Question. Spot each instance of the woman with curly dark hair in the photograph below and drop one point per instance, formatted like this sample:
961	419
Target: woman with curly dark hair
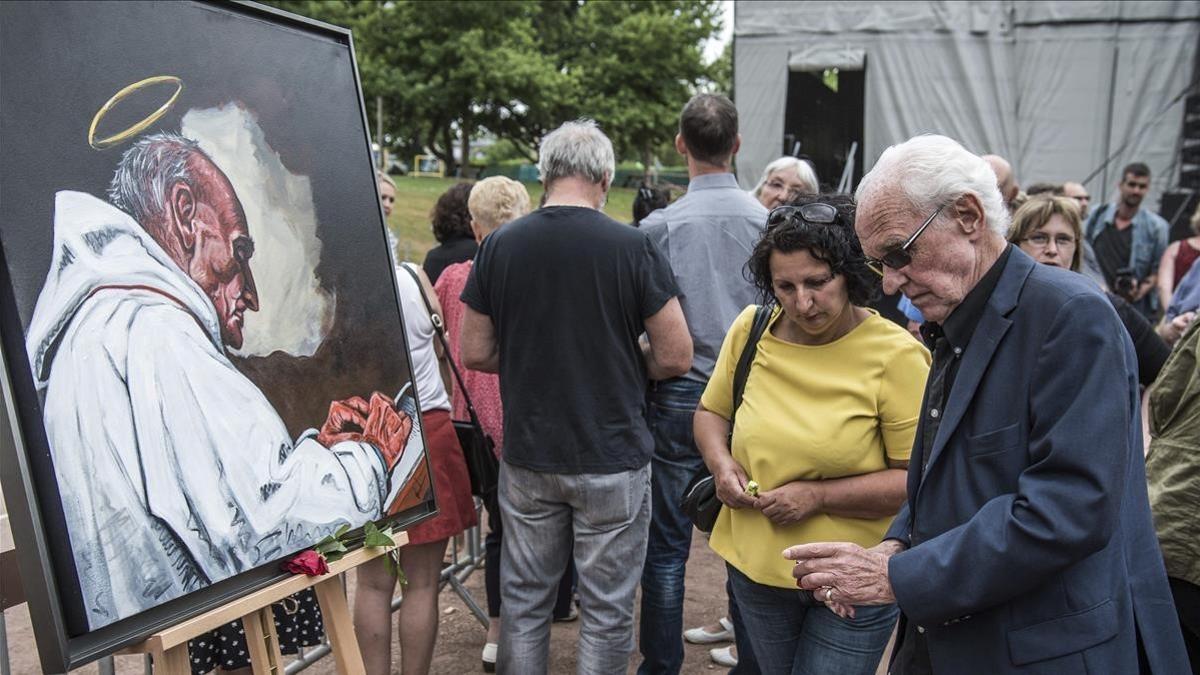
452	229
820	442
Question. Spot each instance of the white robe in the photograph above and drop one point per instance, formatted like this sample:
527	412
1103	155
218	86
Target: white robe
175	471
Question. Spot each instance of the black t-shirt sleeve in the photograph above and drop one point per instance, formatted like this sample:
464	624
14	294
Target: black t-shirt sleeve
658	281
433	265
1152	351
474	294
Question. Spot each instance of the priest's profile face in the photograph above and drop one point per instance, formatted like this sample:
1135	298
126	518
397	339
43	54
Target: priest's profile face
188	206
215	242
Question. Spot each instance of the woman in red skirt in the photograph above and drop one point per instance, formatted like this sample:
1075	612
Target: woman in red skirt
421	558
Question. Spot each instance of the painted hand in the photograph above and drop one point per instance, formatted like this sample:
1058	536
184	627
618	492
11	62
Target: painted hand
387	429
346	420
857	575
789	503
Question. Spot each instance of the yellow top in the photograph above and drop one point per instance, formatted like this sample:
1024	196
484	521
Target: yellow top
811	413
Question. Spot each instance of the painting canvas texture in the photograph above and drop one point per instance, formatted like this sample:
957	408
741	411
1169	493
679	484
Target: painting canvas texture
200	318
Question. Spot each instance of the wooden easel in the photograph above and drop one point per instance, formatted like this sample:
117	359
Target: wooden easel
169	650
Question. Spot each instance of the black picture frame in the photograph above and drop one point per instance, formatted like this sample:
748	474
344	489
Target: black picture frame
23	437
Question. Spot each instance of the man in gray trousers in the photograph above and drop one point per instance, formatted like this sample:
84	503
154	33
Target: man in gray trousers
555	303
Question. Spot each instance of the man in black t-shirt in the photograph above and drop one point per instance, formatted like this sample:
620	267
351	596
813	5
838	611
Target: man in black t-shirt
555	303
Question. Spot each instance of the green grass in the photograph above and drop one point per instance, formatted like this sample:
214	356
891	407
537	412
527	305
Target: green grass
416	195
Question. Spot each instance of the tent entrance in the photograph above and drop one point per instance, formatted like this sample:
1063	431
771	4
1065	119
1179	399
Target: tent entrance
824	119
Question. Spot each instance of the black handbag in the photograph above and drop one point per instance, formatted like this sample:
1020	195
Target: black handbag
479	450
699	500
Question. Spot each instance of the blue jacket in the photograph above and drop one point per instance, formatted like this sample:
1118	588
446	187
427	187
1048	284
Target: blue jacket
1150	234
1031	546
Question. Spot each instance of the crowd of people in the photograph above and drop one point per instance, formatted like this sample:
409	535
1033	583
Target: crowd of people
977	485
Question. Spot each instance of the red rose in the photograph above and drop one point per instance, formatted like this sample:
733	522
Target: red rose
307	562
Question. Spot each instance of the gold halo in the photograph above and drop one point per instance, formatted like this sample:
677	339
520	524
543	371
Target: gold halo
101	143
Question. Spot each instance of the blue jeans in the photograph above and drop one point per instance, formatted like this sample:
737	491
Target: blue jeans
670	405
747	663
794	634
606	515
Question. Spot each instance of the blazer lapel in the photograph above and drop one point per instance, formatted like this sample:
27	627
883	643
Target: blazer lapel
987	336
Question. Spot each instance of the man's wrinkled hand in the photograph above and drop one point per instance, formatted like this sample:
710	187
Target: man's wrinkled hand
789	503
387	429
858	576
345	422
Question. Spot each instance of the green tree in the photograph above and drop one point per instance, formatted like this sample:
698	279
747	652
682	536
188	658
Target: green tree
374	26
448	70
720	72
643	61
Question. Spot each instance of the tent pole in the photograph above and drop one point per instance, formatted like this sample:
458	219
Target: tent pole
1105	186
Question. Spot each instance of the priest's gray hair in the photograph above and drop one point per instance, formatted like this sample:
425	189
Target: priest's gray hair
931	171
145	173
577	149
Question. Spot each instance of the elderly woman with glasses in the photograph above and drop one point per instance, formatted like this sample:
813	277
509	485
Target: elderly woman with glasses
821	438
784	178
1048	228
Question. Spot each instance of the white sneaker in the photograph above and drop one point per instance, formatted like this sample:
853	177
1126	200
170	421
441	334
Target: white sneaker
572	614
723	656
699	636
489	657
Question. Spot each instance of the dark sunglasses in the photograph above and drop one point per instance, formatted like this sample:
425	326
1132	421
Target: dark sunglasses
816	213
898	258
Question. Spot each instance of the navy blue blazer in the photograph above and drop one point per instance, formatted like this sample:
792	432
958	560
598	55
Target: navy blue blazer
1031	546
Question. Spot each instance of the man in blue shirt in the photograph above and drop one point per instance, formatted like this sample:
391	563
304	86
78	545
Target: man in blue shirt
707	235
1129	241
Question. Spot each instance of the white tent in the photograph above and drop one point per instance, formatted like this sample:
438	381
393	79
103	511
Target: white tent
1056	87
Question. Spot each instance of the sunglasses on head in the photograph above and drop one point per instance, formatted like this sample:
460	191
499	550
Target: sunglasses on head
816	213
899	257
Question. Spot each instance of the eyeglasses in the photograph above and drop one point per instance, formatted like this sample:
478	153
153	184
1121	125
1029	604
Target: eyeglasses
1041	240
816	213
898	257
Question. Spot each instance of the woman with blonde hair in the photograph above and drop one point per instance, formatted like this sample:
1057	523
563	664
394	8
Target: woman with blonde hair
1048	228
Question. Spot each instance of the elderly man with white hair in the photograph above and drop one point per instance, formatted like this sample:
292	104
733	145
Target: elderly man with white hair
1026	543
556	302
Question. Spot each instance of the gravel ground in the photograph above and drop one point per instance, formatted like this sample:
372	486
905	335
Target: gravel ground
460	635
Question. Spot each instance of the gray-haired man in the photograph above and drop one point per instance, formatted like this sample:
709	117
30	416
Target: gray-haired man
555	303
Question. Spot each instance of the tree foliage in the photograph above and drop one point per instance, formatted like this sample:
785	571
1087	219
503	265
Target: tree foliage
450	70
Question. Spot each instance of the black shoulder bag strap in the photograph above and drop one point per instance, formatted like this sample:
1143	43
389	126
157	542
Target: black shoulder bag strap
699	500
762	317
440	329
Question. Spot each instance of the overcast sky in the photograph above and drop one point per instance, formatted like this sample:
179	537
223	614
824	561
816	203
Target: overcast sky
712	49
